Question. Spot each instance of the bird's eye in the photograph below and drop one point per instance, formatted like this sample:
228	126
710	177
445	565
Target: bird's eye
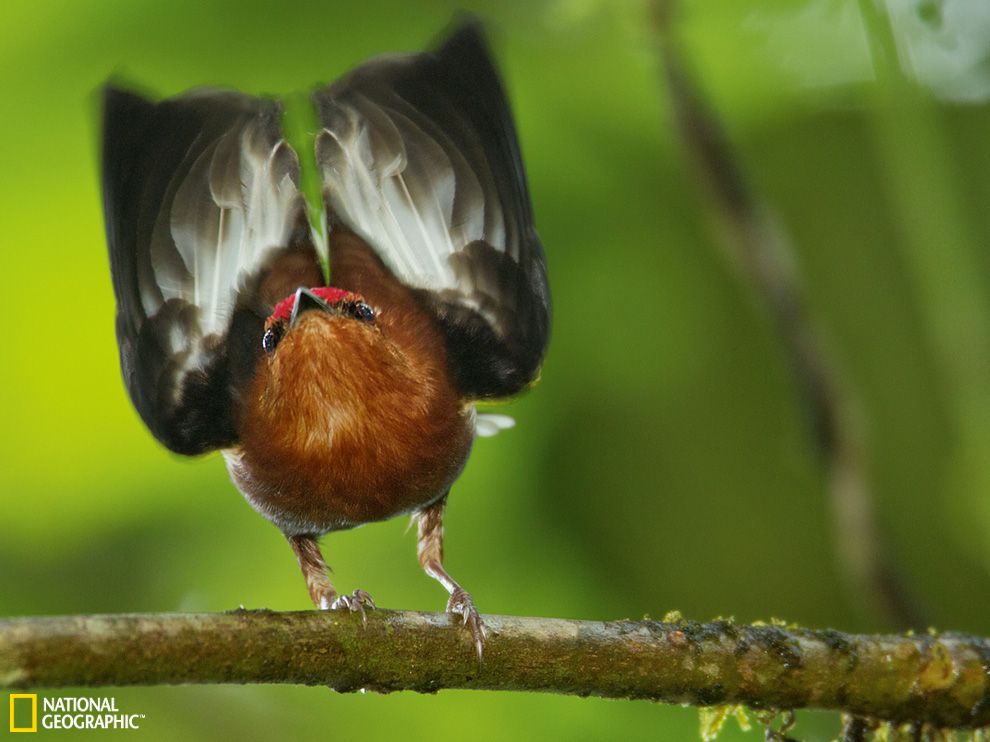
360	310
272	337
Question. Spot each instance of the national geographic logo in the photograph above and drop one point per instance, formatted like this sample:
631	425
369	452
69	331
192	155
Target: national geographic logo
20	701
68	712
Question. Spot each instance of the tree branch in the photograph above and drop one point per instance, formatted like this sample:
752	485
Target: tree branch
941	680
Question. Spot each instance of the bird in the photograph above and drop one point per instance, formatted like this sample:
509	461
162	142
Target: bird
335	349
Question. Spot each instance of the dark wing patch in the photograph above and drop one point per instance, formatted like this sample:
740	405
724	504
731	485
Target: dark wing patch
201	202
419	156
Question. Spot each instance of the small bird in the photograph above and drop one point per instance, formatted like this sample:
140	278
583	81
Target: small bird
333	352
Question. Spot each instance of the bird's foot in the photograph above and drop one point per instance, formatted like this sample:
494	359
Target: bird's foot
356	602
461	604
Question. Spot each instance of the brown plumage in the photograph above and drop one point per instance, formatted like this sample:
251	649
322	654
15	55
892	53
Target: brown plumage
323	448
344	404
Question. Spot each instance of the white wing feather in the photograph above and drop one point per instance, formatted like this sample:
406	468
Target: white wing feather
487	424
395	184
237	204
418	156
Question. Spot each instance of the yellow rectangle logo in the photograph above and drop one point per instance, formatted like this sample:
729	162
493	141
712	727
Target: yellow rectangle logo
34	712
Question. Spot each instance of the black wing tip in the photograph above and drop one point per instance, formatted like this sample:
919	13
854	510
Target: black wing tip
465	31
465	44
135	123
118	110
121	99
119	95
118	87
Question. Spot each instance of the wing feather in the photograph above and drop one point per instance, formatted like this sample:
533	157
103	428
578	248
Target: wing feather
201	199
418	156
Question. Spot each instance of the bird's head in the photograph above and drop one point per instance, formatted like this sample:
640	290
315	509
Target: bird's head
316	309
337	372
322	348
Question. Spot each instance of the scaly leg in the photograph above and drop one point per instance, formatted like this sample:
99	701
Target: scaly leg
430	549
321	590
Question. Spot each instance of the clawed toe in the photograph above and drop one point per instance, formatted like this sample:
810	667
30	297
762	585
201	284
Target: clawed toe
461	604
355	602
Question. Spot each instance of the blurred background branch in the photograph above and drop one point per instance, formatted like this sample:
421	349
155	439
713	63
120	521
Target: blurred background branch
940	680
758	245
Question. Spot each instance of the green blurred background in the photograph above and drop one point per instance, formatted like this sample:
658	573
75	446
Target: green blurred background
662	463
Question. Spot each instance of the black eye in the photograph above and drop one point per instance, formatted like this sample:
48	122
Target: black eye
360	310
272	337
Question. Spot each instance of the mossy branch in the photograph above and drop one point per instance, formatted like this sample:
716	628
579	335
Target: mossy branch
942	680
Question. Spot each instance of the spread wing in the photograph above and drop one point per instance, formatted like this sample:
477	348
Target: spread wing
201	201
418	156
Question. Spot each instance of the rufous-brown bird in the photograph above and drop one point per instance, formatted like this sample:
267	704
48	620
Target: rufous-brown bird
343	401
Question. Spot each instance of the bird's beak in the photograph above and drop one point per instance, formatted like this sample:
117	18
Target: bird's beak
305	301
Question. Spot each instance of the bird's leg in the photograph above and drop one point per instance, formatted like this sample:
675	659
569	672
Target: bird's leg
315	570
321	590
429	546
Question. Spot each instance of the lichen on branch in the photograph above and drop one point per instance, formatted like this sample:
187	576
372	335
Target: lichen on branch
937	679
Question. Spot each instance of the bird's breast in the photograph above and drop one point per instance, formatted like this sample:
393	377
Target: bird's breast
346	426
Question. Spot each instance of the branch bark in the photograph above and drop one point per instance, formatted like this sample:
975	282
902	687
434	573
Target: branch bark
941	680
